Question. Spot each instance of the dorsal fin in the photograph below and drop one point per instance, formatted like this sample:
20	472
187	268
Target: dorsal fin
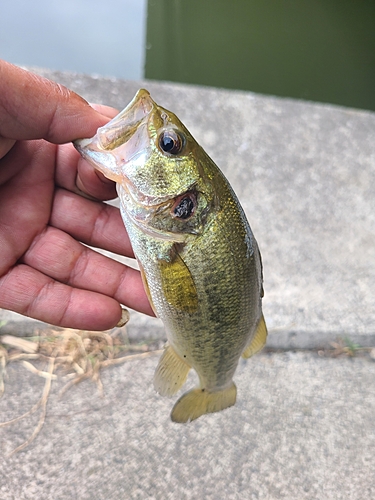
258	341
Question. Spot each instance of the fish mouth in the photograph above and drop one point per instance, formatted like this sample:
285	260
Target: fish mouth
121	128
121	140
122	150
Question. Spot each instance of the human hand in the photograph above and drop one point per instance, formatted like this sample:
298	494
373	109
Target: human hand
51	206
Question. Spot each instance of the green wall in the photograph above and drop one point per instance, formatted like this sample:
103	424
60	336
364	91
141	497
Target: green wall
322	50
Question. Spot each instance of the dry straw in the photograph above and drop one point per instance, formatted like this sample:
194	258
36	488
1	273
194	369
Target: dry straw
68	354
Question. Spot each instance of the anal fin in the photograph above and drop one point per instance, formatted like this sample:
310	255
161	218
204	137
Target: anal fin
197	402
258	341
171	372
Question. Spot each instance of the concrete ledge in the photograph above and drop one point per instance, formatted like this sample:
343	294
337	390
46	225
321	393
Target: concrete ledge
303	425
141	329
305	174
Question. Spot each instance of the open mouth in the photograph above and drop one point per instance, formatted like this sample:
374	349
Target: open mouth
121	140
123	126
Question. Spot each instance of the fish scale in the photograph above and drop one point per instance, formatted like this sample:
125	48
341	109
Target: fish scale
199	260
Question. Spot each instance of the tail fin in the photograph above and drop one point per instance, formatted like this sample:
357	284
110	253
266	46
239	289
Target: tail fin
197	402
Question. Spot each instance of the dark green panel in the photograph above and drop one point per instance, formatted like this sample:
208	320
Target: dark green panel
322	50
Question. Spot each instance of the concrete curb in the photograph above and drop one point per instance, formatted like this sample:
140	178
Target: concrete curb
303	424
305	174
143	329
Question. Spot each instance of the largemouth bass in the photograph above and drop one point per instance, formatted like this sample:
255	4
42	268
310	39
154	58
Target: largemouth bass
200	263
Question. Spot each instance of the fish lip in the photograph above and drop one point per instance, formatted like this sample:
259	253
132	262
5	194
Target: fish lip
117	138
122	141
127	121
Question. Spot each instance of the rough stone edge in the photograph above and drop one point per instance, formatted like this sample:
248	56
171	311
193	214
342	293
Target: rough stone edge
54	75
278	340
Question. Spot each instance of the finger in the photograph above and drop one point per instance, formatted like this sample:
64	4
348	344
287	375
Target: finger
104	110
25	197
76	175
94	223
5	146
84	179
32	107
93	183
31	293
59	256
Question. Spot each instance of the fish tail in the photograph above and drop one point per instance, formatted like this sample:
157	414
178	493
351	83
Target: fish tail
197	402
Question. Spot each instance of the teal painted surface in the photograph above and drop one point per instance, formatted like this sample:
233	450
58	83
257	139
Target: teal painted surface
322	50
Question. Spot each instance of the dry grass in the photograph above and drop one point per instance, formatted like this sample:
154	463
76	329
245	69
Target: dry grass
66	354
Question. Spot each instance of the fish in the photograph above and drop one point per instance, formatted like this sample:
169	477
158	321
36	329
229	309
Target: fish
199	260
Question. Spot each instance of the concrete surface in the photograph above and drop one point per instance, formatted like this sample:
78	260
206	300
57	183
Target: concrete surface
304	425
302	428
305	174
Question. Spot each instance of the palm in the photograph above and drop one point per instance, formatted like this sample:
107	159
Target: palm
45	272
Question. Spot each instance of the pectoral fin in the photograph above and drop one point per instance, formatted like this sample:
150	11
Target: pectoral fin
171	373
178	284
258	341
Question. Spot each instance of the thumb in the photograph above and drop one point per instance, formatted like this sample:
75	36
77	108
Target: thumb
32	107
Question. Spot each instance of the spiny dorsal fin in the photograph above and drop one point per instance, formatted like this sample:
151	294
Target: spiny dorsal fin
258	341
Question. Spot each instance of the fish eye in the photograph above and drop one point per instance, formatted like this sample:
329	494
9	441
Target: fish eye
184	206
171	142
